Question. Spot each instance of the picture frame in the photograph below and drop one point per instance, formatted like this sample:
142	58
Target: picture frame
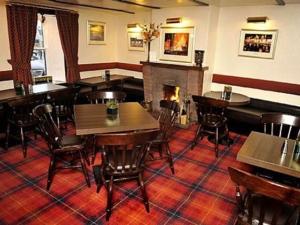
258	43
136	41
177	43
96	32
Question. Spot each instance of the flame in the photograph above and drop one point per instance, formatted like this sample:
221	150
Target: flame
176	96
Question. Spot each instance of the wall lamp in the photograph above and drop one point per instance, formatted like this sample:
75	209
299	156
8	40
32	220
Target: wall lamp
173	20
257	19
132	25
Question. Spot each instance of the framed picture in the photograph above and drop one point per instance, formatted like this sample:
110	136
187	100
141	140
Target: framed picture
258	43
96	33
136	41
176	44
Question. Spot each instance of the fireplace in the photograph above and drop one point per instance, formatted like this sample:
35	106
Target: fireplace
171	92
161	77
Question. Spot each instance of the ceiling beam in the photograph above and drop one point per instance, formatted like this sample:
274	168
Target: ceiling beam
92	6
137	4
200	2
280	2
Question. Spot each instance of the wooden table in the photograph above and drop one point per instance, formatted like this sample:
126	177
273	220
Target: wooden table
94	82
93	119
10	94
264	151
235	100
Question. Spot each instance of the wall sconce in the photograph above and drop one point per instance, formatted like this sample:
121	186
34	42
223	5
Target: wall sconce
258	19
132	25
174	20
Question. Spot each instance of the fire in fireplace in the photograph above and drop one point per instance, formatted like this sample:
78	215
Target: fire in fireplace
171	92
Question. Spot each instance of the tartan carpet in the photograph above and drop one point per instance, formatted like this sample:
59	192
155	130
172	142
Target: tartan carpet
200	192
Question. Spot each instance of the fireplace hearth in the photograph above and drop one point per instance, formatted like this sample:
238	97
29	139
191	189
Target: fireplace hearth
160	78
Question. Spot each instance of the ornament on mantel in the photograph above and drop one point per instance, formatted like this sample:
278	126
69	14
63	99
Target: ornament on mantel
150	32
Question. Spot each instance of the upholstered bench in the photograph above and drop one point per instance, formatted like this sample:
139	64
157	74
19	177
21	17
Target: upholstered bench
250	115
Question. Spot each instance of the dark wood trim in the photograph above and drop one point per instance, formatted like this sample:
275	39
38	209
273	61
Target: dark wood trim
280	2
129	66
92	6
201	3
6	75
97	66
138	4
266	85
174	66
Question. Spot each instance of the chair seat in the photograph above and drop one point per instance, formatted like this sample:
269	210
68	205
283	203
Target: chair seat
213	120
24	121
70	143
283	216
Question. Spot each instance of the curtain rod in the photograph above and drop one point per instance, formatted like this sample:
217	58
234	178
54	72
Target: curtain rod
40	6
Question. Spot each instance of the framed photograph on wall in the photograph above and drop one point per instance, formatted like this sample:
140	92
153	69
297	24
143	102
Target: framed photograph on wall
96	33
258	43
135	41
177	43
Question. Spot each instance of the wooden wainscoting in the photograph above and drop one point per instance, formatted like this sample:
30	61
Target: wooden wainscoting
266	85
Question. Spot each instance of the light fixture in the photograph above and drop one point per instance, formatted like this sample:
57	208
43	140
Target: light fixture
257	19
132	25
174	20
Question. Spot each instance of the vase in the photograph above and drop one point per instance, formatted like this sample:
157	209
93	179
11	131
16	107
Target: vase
148	57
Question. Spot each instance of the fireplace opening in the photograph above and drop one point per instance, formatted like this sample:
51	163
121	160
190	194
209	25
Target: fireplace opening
171	92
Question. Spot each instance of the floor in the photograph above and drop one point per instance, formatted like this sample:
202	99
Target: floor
200	192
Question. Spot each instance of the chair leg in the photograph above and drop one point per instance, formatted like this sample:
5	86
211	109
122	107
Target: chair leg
197	135
144	193
24	146
170	158
109	198
7	135
217	142
94	150
51	171
86	175
98	175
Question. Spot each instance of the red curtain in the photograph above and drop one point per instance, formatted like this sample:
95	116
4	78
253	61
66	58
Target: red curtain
22	23
67	23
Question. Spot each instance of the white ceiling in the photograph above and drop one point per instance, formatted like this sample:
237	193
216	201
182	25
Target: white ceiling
119	5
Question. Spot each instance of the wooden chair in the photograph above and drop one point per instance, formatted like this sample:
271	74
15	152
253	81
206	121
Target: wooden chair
211	119
66	147
122	159
96	97
63	103
167	117
281	125
20	116
264	201
100	97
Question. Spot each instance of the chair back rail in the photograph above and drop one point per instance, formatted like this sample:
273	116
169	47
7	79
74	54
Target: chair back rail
272	197
124	153
97	97
48	127
281	124
209	106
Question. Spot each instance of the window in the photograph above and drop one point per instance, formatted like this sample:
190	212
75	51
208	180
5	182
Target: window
38	59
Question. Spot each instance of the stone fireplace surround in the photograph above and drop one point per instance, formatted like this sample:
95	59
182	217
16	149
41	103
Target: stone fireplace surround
188	78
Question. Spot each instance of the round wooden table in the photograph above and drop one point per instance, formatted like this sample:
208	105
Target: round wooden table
235	99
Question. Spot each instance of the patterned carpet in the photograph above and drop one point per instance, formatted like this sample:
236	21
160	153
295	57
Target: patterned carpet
200	192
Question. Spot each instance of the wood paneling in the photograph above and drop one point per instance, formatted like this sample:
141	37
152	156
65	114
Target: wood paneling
128	66
6	75
97	66
266	85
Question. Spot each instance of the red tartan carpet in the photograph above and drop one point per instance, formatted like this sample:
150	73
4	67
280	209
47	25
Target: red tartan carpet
200	192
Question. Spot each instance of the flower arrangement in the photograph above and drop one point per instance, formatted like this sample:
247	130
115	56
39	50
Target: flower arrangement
112	106
150	32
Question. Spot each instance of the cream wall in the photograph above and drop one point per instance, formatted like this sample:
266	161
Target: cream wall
284	67
4	46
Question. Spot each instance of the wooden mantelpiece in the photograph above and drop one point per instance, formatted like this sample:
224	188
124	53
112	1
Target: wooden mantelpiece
188	78
174	66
